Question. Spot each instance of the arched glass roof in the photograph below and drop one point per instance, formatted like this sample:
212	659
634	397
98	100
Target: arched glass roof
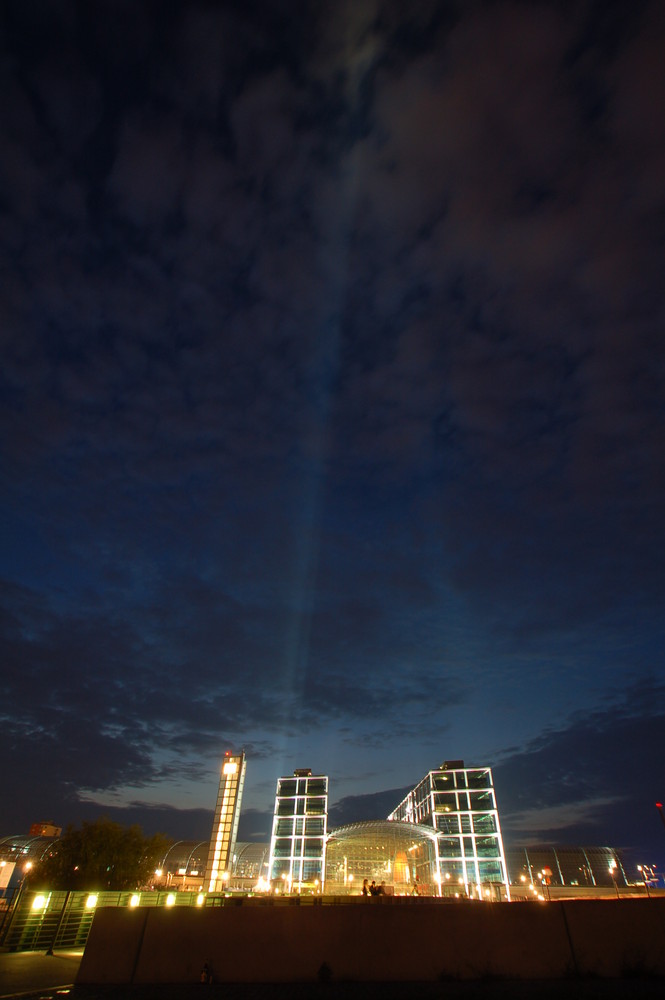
24	847
186	854
400	855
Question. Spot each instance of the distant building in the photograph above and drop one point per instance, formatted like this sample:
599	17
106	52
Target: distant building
587	867
183	866
46	829
18	854
300	826
459	803
225	823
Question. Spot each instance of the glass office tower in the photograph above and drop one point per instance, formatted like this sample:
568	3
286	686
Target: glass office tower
225	824
460	804
297	845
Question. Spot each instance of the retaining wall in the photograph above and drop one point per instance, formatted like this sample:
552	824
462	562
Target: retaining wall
376	940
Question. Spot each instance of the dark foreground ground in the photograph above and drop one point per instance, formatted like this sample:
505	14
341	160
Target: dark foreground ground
605	990
589	990
35	976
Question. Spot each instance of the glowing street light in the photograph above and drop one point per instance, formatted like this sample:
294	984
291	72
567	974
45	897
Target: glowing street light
647	873
612	867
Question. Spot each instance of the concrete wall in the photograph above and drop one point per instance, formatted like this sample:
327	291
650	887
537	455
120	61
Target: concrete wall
388	940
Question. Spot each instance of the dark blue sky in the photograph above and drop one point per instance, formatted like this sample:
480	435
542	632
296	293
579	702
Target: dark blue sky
333	407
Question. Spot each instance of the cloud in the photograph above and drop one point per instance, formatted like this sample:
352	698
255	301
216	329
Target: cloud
558	818
357	808
592	779
331	377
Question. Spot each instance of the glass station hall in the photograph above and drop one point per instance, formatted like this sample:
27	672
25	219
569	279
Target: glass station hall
443	839
400	858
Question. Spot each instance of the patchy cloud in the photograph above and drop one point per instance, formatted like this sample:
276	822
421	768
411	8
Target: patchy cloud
593	780
332	394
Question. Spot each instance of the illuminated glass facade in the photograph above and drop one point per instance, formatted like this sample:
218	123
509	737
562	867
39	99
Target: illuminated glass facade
297	845
459	803
400	858
225	824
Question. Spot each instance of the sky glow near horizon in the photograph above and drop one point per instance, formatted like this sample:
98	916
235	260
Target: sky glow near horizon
333	408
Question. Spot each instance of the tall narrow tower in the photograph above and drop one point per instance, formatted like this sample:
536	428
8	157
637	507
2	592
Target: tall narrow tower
225	824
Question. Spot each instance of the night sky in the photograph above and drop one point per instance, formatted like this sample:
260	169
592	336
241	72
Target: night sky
333	408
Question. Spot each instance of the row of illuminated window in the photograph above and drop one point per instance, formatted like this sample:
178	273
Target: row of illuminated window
312	826
469	847
226	804
310	806
224	807
305	871
298	847
227	790
466	823
449	821
457	802
302	786
442	780
471	871
223	830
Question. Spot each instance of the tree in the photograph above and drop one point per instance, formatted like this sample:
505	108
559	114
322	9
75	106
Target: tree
101	855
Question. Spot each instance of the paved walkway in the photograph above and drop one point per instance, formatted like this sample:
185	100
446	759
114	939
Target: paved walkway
24	972
32	975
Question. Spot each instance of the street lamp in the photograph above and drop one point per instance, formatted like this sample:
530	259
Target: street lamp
612	867
544	877
647	874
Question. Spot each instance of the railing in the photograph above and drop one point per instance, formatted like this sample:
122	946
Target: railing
45	921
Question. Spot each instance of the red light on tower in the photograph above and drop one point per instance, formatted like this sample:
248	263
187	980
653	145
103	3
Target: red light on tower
659	807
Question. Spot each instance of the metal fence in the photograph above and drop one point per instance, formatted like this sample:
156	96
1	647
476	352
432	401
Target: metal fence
44	921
